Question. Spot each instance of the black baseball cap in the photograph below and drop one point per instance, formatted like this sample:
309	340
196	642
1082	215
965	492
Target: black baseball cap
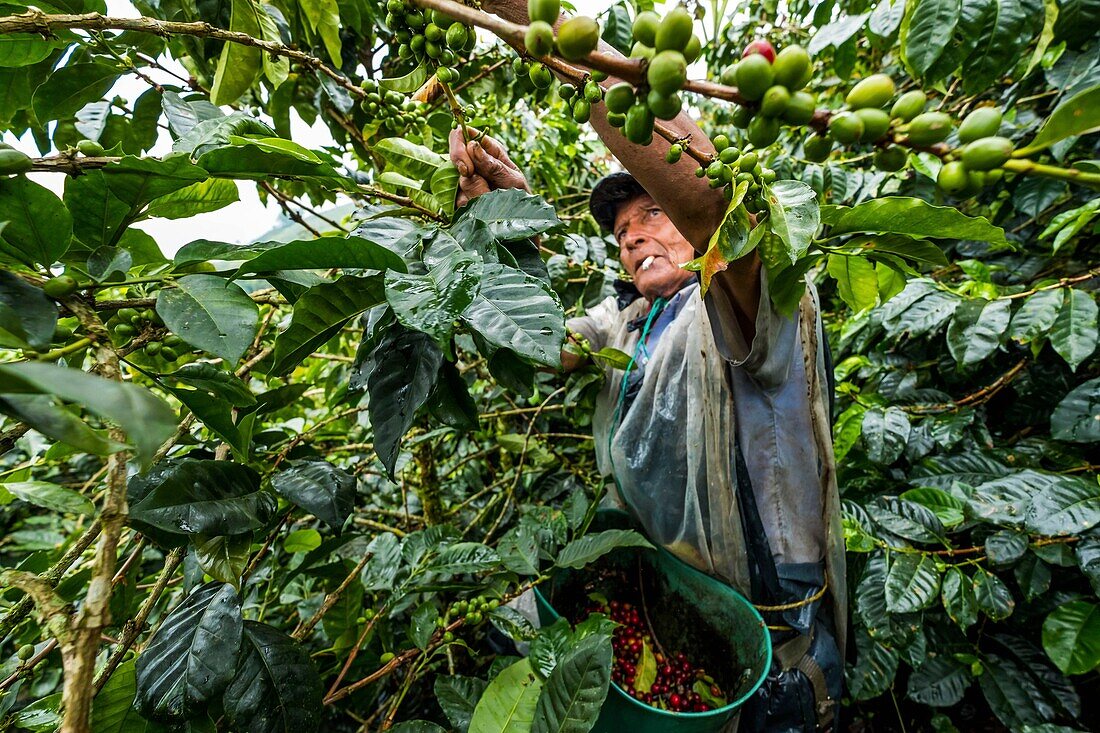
609	193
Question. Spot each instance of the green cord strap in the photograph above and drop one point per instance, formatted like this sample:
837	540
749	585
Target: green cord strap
654	311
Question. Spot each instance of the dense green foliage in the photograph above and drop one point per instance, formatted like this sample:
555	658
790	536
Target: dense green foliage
287	485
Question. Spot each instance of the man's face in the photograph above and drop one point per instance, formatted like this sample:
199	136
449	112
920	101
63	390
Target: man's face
651	249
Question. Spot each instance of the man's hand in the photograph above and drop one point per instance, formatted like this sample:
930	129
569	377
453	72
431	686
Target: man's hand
483	166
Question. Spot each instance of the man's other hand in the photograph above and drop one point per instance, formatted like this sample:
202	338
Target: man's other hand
483	166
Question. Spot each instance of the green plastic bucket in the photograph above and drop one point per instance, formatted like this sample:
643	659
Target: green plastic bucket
693	606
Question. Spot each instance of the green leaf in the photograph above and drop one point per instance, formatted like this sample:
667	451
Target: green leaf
320	313
940	682
324	19
510	214
995	33
417	726
458	696
192	656
875	668
931	24
406	364
1005	547
1036	316
508	704
515	311
276	687
794	215
49	496
322	489
885	433
433	302
913	217
1067	505
28	318
1078	115
38	227
409	158
1071	637
646	672
464	557
25	49
444	187
912	582
42	413
147	421
949	509
216	414
422	624
189	496
856	280
906	519
592	547
223	558
239	65
992	595
211	314
1032	575
976	329
322	253
113	708
519	550
1074	332
408	83
957	594
572	696
222	384
200	197
70	88
302	540
1077	417
836	33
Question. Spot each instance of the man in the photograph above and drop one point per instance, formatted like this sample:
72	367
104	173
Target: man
718	438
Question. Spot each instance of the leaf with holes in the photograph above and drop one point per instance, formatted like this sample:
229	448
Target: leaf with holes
193	655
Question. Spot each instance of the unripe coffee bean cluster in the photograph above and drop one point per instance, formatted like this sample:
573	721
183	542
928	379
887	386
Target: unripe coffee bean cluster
397	111
774	82
577	37
732	166
429	36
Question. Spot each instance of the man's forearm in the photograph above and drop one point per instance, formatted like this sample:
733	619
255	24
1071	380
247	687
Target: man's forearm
694	208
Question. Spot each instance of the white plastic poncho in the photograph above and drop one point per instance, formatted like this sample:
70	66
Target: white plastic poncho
672	452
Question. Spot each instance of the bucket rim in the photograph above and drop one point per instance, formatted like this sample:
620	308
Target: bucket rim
728	707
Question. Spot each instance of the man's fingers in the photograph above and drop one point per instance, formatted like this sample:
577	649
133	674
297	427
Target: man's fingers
491	167
494	148
472	186
459	155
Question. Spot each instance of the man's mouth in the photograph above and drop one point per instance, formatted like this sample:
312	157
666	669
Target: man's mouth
648	262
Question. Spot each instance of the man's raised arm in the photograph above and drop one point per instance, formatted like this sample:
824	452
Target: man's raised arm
694	208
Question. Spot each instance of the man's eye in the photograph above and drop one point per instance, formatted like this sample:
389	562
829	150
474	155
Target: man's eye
654	212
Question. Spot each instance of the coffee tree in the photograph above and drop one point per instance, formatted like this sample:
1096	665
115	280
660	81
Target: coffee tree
291	484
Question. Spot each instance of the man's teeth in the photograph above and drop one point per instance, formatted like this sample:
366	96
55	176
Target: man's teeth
648	262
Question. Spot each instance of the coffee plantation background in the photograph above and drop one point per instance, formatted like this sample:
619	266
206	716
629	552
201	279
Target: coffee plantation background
315	466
